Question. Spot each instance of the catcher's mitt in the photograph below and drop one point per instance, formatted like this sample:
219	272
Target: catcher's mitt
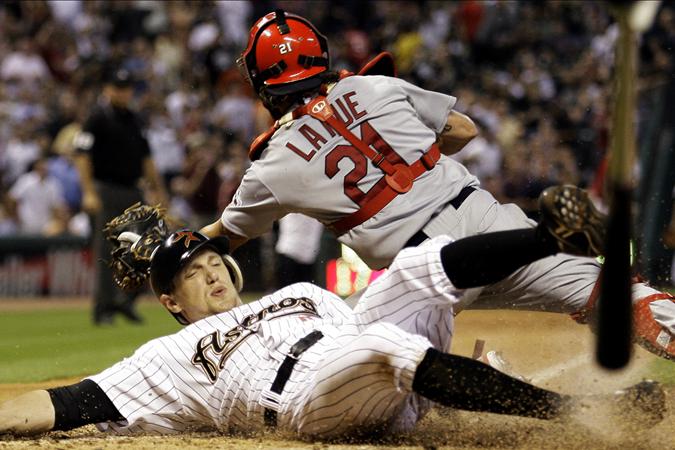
134	235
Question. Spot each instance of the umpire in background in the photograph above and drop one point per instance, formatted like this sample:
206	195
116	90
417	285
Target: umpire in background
112	156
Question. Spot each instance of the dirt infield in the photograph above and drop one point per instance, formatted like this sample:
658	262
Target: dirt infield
549	349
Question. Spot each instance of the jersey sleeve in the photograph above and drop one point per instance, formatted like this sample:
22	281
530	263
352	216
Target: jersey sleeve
85	138
432	107
143	391
253	209
18	189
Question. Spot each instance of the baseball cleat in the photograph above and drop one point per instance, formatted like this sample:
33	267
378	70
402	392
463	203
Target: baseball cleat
569	216
496	360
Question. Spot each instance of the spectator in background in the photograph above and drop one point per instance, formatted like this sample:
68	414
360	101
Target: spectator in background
482	156
199	183
22	149
24	65
235	111
168	152
66	126
8	226
112	158
169	57
357	49
38	202
62	169
66	13
231	170
233	16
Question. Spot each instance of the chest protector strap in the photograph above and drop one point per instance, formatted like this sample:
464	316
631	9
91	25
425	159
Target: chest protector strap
399	177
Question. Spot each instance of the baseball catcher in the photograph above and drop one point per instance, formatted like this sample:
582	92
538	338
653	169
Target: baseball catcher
368	155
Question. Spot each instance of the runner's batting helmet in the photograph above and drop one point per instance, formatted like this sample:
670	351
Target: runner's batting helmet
284	53
174	254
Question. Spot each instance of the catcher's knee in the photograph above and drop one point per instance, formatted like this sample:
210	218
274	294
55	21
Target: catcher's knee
584	315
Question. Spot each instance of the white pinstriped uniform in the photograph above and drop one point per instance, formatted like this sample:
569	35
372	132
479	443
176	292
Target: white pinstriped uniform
359	374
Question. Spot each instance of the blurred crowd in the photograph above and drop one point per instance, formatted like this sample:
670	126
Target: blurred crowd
535	76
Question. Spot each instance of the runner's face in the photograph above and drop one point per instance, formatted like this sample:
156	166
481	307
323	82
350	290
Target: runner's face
204	287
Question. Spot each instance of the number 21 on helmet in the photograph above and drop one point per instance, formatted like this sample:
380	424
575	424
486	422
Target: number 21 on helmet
284	53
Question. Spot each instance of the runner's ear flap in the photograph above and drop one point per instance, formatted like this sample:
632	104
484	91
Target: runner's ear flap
235	272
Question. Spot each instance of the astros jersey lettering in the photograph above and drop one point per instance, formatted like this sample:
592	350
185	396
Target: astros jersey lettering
310	169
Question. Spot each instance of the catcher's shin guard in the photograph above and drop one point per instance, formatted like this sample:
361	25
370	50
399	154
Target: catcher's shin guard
647	332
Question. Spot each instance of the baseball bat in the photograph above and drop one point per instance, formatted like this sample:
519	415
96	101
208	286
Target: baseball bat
614	320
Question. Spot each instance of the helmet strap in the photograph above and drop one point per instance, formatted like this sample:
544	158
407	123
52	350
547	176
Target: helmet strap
272	71
280	19
312	61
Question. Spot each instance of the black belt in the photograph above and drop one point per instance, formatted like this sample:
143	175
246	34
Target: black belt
286	368
456	202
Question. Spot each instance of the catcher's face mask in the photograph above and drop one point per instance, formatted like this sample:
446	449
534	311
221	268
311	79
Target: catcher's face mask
177	251
283	50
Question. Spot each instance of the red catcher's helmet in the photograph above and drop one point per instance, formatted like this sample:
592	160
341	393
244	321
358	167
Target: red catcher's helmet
284	51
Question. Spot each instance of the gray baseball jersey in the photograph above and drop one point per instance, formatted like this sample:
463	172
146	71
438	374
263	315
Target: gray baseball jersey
217	373
310	169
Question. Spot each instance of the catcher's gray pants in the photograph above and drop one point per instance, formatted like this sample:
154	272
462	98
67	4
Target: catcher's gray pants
560	283
115	199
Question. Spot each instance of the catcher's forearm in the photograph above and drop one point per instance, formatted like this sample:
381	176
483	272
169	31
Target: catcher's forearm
29	413
217	229
458	131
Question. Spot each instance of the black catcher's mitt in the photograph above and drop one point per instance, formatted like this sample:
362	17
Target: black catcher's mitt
134	235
